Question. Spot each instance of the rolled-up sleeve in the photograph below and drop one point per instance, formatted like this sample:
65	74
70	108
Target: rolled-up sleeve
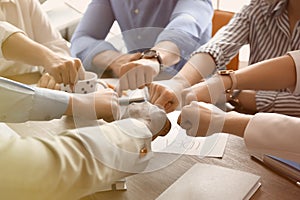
20	102
6	29
296	57
227	42
273	134
190	25
89	38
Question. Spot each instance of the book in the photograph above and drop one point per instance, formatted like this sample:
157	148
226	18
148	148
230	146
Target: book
284	167
211	182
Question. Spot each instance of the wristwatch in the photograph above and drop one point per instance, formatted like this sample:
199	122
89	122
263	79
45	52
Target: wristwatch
231	74
150	54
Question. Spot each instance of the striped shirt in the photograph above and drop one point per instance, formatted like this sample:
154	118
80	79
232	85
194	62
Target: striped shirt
265	27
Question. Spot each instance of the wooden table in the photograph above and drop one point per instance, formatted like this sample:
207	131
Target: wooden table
149	186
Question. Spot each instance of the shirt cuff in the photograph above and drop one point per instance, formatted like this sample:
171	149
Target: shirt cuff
123	145
296	57
48	104
6	29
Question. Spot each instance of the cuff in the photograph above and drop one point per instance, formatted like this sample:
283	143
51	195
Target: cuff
48	104
296	57
123	145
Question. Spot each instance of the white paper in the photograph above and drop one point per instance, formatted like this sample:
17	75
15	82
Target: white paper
177	142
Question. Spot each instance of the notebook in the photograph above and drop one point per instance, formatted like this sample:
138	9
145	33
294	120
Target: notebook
211	182
286	168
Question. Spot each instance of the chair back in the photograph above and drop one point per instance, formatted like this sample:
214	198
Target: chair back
220	19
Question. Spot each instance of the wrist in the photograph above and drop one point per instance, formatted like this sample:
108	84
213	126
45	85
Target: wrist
236	123
229	80
69	110
153	55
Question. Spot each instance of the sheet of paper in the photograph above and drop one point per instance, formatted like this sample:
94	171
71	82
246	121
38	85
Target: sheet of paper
177	142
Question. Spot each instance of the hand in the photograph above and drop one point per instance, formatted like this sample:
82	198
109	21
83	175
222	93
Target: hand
64	70
123	59
102	104
47	81
201	119
154	118
137	74
167	94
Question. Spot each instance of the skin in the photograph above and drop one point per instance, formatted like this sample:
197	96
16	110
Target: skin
236	123
18	47
201	65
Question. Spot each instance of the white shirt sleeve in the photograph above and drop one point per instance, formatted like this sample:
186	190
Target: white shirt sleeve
273	134
6	29
73	164
20	102
296	57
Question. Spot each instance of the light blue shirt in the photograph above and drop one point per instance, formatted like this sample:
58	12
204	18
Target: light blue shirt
20	102
143	23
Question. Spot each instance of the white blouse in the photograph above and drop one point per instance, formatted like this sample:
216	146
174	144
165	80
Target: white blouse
28	17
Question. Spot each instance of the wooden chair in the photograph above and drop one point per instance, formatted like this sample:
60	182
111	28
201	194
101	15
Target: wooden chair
220	19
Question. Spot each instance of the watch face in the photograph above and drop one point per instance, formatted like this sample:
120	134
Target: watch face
150	54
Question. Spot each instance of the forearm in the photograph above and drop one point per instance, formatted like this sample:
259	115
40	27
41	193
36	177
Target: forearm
277	73
104	59
200	66
19	47
169	52
236	123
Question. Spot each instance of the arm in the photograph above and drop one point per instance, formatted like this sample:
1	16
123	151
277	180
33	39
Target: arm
75	163
18	47
264	133
88	43
269	75
188	28
216	53
274	134
265	75
20	103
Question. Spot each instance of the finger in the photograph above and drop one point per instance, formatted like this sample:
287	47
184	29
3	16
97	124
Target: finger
43	81
65	73
148	75
131	78
80	70
57	76
123	84
164	99
73	75
51	83
57	87
188	96
140	79
154	93
190	118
